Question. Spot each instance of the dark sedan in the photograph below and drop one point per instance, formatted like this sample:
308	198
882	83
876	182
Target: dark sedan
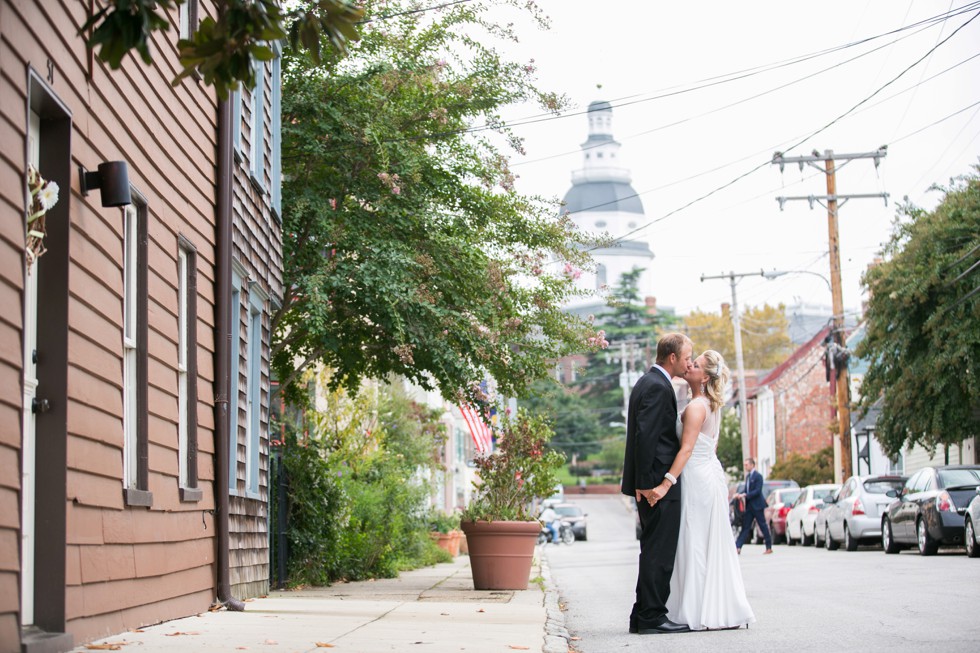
929	511
573	515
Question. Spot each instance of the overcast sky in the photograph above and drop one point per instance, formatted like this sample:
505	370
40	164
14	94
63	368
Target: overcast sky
683	143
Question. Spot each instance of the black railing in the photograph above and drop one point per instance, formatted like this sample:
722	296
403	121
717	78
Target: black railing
278	511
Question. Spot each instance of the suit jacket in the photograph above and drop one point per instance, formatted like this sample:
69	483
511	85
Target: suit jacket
651	435
753	491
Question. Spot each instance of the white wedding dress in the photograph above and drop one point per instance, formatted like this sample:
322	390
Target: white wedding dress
706	589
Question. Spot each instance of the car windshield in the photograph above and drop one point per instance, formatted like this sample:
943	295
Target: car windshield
881	486
788	496
568	511
821	494
955	477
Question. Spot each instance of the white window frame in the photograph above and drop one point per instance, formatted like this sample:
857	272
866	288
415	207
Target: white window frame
184	20
256	159
236	122
130	344
183	280
253	391
277	129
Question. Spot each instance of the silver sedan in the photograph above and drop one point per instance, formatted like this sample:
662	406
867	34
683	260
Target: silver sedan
853	515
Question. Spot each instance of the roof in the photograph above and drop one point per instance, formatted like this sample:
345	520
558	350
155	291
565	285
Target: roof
600	105
795	357
602	196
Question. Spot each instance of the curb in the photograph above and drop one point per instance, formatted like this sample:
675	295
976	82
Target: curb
556	635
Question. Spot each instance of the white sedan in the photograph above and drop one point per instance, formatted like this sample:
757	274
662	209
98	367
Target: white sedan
801	517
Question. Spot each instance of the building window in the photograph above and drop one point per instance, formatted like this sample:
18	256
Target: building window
253	389
187	371
277	130
135	439
236	122
187	18
257	131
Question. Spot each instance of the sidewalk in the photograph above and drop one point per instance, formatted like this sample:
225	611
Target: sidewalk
434	610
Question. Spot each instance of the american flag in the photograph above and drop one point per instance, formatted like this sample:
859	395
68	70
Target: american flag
479	429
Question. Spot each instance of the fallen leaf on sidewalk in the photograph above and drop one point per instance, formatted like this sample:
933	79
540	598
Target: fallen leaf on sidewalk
574	639
215	608
481	610
178	632
324	645
270	642
518	647
241	648
444	614
138	630
108	646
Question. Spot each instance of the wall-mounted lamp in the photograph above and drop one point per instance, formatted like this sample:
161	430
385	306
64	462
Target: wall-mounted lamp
112	179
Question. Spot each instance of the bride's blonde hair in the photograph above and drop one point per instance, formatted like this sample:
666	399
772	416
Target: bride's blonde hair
717	374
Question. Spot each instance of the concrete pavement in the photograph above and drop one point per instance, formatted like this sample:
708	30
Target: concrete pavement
434	610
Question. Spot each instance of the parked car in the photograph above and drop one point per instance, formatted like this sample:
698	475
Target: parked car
930	510
971	527
853	514
736	506
820	521
777	507
801	517
573	514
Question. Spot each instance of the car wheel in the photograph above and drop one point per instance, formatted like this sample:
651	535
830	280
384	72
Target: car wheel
817	542
806	540
887	539
568	537
789	537
970	538
585	535
831	544
850	543
927	545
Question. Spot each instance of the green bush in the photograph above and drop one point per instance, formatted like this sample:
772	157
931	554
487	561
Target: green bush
806	470
357	504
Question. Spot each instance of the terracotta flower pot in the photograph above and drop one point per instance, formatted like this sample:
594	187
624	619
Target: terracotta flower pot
501	553
444	541
454	543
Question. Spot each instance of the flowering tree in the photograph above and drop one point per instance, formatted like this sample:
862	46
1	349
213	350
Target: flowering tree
922	340
407	249
221	49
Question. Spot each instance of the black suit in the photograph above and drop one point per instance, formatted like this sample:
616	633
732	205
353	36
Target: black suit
651	446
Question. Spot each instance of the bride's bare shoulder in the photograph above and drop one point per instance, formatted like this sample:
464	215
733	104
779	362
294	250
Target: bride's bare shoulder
695	410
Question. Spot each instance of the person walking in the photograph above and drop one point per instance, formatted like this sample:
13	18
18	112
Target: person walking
755	506
651	447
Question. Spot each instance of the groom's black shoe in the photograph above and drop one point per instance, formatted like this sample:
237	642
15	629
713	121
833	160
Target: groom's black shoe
633	628
665	628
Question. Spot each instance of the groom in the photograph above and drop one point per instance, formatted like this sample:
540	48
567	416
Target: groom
651	445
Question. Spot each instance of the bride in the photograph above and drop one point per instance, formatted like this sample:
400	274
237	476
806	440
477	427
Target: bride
706	589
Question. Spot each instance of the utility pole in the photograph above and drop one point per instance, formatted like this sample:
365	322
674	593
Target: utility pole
737	327
842	444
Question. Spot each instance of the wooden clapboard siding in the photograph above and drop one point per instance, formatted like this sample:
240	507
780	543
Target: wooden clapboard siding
125	566
13	134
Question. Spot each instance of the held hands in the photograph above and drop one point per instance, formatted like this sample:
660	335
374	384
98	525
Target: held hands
654	495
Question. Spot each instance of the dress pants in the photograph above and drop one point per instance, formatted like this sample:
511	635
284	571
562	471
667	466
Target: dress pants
658	543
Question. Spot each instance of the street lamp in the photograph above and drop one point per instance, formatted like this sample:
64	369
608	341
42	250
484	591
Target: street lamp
772	274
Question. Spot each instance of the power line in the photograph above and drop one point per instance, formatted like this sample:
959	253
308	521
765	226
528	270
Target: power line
412	11
766	163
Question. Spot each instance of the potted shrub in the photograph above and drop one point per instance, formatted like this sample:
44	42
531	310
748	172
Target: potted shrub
500	527
444	531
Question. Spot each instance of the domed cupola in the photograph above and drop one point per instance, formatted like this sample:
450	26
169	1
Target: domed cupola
602	184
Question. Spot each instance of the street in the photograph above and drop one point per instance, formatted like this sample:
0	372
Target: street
805	599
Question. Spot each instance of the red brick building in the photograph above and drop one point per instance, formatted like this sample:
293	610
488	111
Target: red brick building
791	409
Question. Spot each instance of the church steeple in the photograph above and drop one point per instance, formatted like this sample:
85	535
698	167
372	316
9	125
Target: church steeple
600	160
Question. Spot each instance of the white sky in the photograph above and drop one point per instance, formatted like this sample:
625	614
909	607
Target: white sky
637	49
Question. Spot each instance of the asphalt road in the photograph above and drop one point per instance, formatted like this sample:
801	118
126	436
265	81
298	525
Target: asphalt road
805	599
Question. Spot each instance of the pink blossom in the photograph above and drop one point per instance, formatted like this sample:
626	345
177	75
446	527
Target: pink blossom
396	190
333	203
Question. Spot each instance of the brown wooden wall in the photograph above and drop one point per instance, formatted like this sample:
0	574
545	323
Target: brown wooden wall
125	566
